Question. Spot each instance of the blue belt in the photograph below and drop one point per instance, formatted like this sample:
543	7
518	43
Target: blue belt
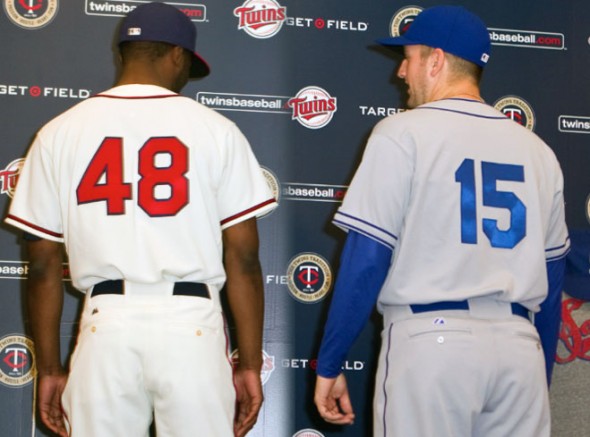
196	289
517	309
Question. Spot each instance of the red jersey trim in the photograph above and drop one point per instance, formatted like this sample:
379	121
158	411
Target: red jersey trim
248	211
111	96
35	227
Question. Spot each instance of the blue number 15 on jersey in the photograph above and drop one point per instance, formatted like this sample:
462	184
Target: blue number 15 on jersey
491	172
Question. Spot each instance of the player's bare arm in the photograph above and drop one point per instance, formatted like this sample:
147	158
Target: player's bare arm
333	401
246	300
44	302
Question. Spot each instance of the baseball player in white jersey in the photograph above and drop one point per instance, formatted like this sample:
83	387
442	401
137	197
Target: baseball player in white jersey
455	221
155	198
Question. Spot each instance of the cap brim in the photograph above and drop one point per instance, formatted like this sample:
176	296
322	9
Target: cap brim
199	67
396	41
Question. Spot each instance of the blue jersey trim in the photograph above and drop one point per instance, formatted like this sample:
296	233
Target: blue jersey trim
363	232
368	224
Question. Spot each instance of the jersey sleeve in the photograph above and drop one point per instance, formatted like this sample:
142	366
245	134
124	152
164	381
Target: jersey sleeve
548	319
379	191
363	268
557	246
557	242
243	192
35	205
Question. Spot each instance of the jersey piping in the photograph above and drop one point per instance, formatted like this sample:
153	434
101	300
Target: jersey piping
32	226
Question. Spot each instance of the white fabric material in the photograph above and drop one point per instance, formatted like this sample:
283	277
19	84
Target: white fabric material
225	186
135	353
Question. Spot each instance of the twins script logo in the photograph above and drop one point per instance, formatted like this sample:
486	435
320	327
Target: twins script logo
575	337
9	176
313	107
268	364
261	18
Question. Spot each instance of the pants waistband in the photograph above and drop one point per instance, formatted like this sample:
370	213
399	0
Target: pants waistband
516	308
118	286
480	307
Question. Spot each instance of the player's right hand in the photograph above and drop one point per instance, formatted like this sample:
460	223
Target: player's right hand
332	400
49	391
249	399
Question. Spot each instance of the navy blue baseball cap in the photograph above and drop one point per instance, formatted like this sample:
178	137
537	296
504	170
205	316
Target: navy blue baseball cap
453	29
160	22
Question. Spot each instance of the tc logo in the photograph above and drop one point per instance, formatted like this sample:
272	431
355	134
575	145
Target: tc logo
402	20
309	277
31	14
517	109
17	360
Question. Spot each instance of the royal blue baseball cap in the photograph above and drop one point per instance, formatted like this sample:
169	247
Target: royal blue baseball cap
160	22
453	29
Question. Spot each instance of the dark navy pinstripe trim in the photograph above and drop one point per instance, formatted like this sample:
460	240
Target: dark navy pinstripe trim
368	224
365	233
555	258
383	413
466	113
558	247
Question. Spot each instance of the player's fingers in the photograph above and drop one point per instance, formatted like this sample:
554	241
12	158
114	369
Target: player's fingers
346	405
54	421
336	416
247	415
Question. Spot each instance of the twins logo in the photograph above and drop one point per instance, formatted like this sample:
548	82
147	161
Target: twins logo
261	18
308	433
17	360
518	110
313	107
268	364
31	14
309	277
574	336
9	176
273	184
402	19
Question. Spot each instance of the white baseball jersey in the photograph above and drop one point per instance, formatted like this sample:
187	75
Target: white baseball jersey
470	201
139	182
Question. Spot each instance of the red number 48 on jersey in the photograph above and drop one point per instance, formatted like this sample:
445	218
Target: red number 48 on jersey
103	180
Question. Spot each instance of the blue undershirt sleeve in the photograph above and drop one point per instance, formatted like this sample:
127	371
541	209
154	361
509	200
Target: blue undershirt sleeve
364	264
547	320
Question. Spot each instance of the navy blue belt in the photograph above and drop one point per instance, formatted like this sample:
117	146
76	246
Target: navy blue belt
517	309
196	289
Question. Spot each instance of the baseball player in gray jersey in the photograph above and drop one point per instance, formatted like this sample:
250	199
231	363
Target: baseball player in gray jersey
456	229
155	198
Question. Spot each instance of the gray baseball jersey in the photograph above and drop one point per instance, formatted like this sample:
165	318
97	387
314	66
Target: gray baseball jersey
476	211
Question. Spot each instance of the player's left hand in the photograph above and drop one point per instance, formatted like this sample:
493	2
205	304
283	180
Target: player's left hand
332	400
50	389
248	399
